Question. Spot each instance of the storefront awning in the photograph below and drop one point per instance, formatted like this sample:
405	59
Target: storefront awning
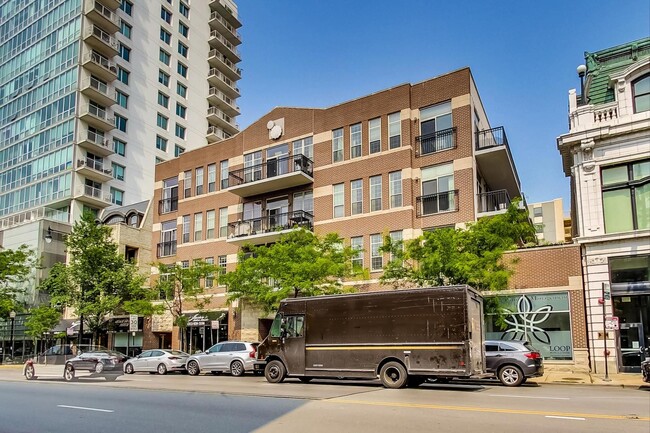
204	319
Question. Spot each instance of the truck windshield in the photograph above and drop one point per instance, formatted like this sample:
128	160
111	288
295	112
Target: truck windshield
275	327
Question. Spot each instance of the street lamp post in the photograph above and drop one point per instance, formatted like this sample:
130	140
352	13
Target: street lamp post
12	316
81	318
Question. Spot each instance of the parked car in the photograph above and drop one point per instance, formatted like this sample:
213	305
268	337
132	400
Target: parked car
513	361
236	357
645	370
98	363
158	361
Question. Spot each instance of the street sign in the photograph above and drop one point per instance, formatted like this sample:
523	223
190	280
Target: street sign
611	323
133	322
607	293
214	324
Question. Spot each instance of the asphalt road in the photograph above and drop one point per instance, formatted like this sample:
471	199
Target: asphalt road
173	403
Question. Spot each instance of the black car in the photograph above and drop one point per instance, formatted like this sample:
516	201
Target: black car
95	363
512	362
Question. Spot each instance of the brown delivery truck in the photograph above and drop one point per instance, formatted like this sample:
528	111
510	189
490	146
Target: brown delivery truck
402	336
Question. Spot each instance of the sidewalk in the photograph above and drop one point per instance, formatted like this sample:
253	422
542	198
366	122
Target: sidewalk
585	378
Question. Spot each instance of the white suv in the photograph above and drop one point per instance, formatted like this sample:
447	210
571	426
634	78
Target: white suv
236	357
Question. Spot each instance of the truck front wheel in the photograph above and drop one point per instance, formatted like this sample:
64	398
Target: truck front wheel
393	375
275	371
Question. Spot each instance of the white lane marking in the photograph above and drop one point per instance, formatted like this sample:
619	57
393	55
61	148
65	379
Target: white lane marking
84	408
565	417
528	396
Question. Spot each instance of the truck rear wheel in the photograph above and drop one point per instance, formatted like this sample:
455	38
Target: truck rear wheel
393	375
275	371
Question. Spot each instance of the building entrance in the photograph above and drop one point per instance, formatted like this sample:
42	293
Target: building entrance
634	333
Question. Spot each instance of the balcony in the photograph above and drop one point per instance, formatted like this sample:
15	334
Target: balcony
434	204
218	22
99	66
93	196
217	60
95	143
218	118
166	249
493	202
101	41
98	91
495	163
97	117
102	15
436	142
273	175
215	134
220	43
217	79
225	11
222	101
269	228
112	4
93	169
167	205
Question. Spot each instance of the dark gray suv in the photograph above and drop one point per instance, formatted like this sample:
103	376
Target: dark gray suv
512	362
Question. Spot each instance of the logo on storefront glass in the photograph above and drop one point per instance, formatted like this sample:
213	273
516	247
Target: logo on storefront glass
525	321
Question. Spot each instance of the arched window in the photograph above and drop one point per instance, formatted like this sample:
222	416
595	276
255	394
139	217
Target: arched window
134	220
641	94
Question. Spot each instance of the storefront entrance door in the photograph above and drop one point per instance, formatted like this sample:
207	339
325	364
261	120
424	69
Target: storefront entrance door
632	347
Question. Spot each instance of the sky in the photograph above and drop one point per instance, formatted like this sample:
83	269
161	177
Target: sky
523	56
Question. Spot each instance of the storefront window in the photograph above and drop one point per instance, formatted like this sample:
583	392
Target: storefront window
542	319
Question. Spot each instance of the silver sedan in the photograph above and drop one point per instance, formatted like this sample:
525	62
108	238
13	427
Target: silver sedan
157	361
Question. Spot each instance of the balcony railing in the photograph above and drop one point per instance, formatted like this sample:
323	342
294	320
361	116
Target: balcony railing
106	12
217	16
101	61
215	34
271	168
102	88
436	142
271	223
493	201
91	191
94	165
98	139
432	204
166	249
167	205
225	60
214	131
491	138
102	36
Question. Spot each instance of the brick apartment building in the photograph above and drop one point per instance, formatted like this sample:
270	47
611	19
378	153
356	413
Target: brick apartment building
403	160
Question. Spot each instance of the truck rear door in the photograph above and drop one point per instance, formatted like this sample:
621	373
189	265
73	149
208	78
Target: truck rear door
475	319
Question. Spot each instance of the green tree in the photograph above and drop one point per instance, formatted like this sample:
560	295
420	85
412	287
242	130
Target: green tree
178	285
97	281
300	263
42	319
15	269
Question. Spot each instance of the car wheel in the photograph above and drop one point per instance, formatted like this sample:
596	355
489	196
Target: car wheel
29	372
193	368
129	369
510	375
99	367
275	371
162	369
68	373
237	368
393	375
305	379
415	381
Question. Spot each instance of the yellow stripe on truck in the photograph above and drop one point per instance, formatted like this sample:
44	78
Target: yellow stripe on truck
384	348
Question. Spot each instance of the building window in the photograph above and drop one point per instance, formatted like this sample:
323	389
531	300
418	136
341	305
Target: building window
122	99
165	36
181	110
303	201
123	75
395	188
127	7
125	29
374	135
181	90
209	279
337	145
198	227
181	69
223	222
162	121
163	100
435	125
212	177
396	239
641	92
209	224
118	171
180	131
186	229
356	197
223	168
120	122
338	194
631	273
199	180
394	131
223	262
187	184
376	256
626	197
183	9
125	52
437	189
355	141
182	49
375	193
537	211
178	150
163	78
119	147
164	57
166	15
117	196
183	29
357	244
185	264
161	143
